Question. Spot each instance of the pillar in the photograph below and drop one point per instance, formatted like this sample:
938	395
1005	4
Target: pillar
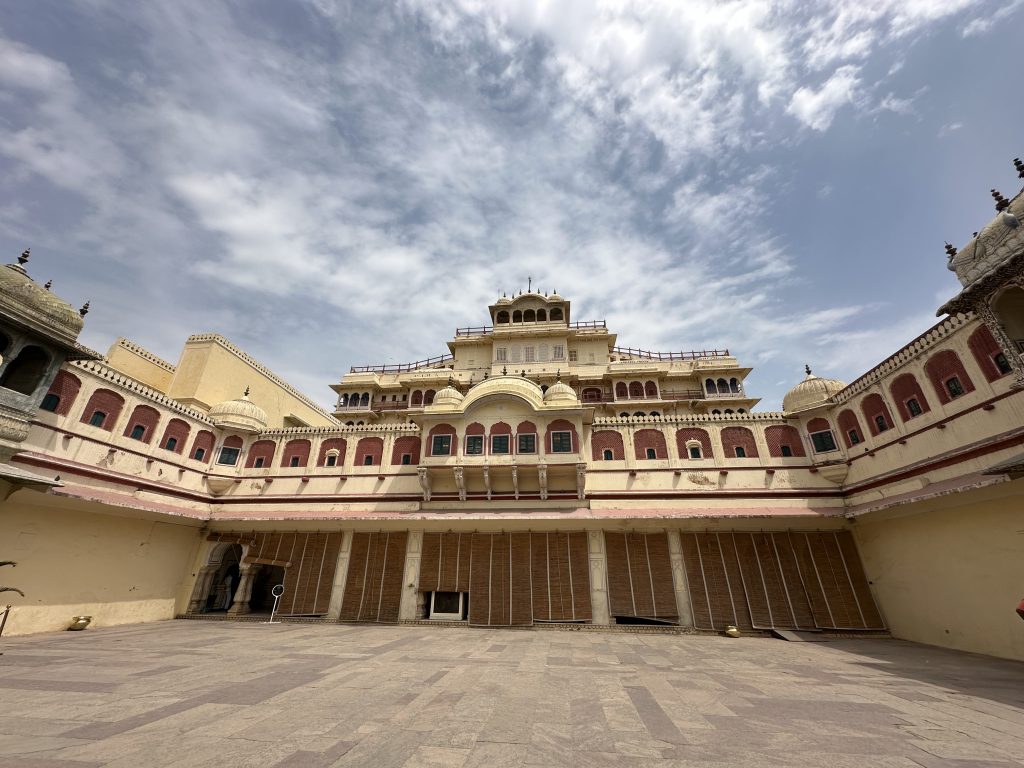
410	583
340	575
246	576
598	579
679	584
201	590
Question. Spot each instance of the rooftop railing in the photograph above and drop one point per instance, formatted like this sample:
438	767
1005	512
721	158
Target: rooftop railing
644	354
441	361
483	330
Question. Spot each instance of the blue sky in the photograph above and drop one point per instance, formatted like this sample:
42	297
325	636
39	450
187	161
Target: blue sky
332	184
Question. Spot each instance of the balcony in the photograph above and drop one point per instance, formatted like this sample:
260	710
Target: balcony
441	361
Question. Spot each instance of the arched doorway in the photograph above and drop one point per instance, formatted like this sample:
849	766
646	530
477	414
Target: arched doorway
1009	308
225	578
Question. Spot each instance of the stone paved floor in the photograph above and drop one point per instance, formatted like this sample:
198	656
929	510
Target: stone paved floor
194	693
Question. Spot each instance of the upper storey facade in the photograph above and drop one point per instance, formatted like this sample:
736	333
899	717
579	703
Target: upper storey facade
532	335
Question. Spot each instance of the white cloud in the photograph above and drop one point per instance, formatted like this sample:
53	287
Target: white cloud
817	108
983	24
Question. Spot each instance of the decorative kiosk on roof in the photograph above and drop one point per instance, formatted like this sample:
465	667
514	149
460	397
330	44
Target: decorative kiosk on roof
812	392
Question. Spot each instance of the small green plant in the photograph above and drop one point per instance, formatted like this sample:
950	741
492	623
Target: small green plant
11	563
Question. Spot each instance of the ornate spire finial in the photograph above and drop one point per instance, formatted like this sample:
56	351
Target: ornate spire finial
523	373
246	393
504	370
558	375
48	284
84	310
451	381
1019	166
1001	202
24	255
529	284
808	369
950	250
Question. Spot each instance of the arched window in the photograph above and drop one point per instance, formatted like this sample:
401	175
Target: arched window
876	413
296	453
370	451
332	447
50	403
728	410
230	451
649	444
542	315
529	316
655	413
65	388
556	313
417	398
502	317
734	385
650	389
25	372
261	454
689	437
203	445
739	442
710	388
406	450
910	400
621	391
820	432
517	316
987	354
428	397
607	444
850	428
591	395
948	376
142	423
364	401
175	436
636	390
106	403
741	410
716	412
639	414
723	386
783	440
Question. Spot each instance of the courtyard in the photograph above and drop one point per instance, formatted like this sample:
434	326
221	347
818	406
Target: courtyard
204	693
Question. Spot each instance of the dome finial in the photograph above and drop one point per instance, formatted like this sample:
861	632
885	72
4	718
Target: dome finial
451	381
84	310
808	369
246	393
558	375
1019	166
504	370
24	255
1001	202
49	283
950	250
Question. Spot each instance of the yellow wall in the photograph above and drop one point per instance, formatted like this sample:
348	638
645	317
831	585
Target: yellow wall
211	371
119	570
950	572
132	360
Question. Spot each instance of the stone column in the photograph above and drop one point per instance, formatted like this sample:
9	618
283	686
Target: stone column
598	579
340	576
246	576
201	590
413	555
675	553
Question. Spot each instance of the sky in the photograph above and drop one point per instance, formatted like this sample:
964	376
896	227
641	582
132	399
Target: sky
331	184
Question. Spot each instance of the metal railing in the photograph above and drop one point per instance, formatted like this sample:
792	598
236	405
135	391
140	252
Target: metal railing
483	330
431	362
644	354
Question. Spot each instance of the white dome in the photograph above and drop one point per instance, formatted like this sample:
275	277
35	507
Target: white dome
448	396
810	392
560	393
241	414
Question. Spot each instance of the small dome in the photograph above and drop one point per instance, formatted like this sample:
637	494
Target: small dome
24	297
555	297
560	393
810	392
241	414
449	396
504	300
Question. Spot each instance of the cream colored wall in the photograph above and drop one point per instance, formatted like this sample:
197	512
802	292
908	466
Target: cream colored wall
119	570
132	361
209	373
950	572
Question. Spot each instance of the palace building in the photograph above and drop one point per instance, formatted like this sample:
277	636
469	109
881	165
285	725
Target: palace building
538	472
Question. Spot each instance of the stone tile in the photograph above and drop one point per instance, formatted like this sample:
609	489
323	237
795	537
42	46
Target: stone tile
223	695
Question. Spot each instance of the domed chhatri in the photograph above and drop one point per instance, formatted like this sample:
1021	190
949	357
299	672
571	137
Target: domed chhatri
810	392
241	414
449	396
22	297
560	393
